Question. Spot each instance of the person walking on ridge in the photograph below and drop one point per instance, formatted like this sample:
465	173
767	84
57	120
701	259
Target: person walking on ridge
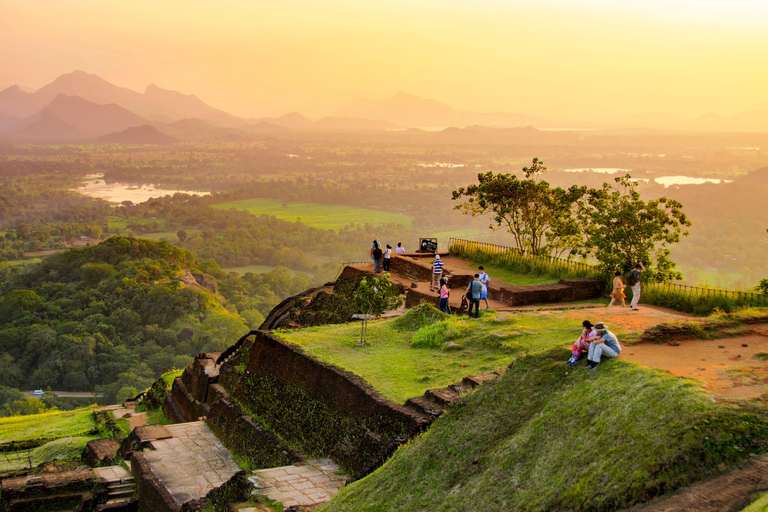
437	271
485	281
634	282
474	288
377	255
618	291
445	292
387	256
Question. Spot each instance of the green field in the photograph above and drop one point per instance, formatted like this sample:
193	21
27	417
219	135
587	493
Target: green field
399	371
320	216
56	424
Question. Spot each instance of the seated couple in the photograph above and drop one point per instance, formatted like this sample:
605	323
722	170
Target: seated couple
598	341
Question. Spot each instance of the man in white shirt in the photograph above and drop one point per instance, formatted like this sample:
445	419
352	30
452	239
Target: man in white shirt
400	249
485	281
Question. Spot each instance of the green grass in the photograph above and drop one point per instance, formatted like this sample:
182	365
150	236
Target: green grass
550	437
760	505
57	424
156	417
504	275
318	215
399	371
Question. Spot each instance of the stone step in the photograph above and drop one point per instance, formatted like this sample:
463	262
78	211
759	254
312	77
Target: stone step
460	388
442	395
479	379
119	505
120	487
425	406
126	493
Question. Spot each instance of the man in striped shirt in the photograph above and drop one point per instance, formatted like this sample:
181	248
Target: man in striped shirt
437	271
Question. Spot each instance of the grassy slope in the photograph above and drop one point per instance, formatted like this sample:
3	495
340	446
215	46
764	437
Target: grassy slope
318	215
400	372
550	437
47	425
70	429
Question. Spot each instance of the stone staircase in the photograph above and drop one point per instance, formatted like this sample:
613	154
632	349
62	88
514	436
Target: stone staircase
121	488
434	401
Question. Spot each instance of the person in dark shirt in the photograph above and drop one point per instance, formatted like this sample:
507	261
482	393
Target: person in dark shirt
635	275
378	254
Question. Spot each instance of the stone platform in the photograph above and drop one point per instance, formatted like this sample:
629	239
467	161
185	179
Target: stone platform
191	463
308	484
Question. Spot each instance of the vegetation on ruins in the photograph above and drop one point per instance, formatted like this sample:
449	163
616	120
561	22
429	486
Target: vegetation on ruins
612	224
540	218
548	437
621	229
401	369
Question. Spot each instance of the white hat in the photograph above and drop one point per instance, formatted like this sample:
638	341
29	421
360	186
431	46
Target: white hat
437	256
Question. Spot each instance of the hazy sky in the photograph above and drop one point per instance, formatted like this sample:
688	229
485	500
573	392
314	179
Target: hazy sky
561	59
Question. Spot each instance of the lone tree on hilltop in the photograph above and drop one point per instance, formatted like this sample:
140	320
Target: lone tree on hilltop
540	218
373	296
621	229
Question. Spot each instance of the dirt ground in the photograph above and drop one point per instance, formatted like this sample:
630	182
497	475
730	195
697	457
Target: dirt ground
726	367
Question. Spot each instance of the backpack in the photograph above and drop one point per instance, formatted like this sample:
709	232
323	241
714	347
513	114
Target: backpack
631	279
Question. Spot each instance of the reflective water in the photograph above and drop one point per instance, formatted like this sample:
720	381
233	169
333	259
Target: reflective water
116	192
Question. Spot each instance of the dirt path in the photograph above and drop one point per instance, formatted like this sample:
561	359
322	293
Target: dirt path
727	367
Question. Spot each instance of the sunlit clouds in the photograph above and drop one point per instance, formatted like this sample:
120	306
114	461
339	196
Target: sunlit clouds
557	59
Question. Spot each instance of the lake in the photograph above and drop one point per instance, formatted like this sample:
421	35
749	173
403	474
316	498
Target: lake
94	185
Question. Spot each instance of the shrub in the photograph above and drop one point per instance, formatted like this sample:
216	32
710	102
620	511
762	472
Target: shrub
422	315
437	334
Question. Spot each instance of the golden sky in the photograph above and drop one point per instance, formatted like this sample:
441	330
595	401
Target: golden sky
560	59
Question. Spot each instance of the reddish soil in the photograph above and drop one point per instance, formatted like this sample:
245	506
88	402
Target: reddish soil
725	366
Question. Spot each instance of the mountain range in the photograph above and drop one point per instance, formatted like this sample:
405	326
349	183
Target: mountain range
79	106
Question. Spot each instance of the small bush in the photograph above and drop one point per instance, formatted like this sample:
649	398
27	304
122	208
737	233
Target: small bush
418	317
437	334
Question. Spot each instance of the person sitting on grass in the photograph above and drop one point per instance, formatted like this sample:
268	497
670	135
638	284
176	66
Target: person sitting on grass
604	343
583	342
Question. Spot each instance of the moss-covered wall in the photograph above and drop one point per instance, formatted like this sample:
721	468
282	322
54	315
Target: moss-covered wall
316	408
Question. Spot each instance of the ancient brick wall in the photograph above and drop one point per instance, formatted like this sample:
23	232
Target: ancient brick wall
417	270
151	493
414	298
567	290
315	406
247	437
184	403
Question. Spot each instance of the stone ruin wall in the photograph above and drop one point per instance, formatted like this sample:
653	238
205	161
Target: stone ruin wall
373	426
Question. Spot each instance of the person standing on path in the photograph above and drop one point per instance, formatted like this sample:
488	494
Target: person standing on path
485	281
437	271
387	256
618	291
473	294
634	282
445	292
400	249
604	344
377	255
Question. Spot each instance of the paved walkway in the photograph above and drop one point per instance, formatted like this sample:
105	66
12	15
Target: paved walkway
315	482
192	462
112	474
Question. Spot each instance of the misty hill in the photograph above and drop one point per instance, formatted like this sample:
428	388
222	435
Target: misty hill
9	122
298	123
155	103
145	134
72	118
407	110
